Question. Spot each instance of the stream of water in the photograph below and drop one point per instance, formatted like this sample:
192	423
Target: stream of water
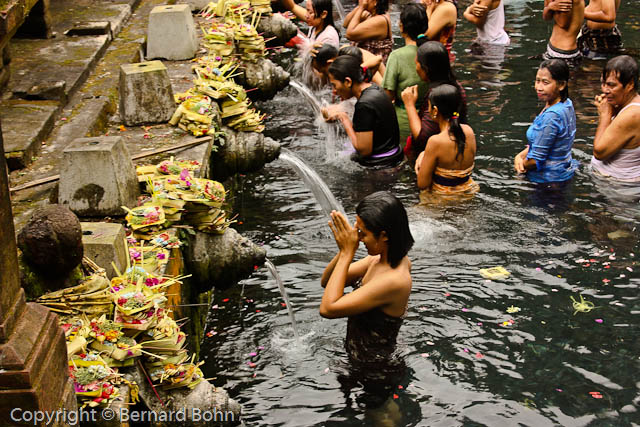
472	358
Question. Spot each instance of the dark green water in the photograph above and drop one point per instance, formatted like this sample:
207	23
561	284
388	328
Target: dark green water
546	366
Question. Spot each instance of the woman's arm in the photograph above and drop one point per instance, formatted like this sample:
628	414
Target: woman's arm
356	270
297	10
361	141
427	164
442	17
607	14
378	292
477	11
409	97
612	136
372	28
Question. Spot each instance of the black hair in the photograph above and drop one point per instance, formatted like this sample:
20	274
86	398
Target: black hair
382	211
559	71
414	20
382	6
434	59
625	69
320	6
448	100
347	66
325	53
352	51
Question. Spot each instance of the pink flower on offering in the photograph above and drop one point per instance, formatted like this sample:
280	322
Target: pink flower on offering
161	255
151	281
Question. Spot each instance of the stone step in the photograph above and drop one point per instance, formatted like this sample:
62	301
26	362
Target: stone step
25	124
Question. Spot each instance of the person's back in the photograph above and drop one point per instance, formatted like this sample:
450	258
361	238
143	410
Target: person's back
567	16
488	17
446	164
600	35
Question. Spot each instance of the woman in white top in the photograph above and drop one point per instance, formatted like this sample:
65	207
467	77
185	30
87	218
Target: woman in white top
319	16
488	17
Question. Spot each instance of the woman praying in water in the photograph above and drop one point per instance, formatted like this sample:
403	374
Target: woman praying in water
381	280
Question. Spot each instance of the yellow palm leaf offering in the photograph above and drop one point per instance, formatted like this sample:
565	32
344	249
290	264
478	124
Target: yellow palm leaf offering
194	201
94	381
250	44
176	375
90	297
261	6
218	39
214	67
152	259
147	218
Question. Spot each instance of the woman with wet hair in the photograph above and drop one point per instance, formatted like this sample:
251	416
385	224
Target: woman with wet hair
319	17
433	66
547	158
445	166
324	55
401	71
381	284
381	280
369	27
374	129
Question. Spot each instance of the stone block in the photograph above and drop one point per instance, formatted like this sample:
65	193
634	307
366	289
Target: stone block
196	5
145	93
97	177
104	244
171	33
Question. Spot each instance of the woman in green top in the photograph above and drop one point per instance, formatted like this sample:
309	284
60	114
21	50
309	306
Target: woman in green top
401	70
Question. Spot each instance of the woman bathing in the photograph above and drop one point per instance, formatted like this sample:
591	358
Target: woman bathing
432	65
319	16
547	157
401	71
369	27
445	166
374	129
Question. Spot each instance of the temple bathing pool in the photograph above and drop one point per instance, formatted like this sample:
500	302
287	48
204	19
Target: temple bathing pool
472	358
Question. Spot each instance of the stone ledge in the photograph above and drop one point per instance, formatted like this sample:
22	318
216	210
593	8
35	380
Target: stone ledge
25	124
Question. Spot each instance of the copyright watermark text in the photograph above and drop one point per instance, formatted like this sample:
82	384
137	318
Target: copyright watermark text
122	414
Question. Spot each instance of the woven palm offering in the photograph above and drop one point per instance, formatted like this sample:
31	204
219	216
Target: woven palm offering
249	43
218	38
194	115
148	218
176	375
261	6
212	67
91	297
94	381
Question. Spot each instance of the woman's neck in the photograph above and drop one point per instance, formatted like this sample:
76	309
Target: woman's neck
320	28
358	88
408	41
550	103
443	123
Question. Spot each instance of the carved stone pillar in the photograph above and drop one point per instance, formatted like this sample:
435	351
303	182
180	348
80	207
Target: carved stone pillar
33	352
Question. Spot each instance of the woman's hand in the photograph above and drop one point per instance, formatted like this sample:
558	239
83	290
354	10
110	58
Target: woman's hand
560	5
346	236
604	108
331	113
410	95
518	161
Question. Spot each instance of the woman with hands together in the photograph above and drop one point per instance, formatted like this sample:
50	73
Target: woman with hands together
381	280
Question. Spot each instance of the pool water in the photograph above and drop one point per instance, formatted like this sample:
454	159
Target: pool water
469	361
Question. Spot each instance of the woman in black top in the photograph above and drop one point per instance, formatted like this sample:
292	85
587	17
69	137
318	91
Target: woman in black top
374	131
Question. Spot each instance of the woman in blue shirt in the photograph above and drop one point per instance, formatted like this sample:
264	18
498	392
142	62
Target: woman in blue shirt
547	158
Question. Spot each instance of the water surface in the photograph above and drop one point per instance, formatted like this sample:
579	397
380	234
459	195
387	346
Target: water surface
469	361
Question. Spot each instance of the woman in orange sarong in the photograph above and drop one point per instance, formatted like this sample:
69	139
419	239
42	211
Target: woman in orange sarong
445	167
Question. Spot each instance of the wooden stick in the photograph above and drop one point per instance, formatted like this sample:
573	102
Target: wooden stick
48	179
